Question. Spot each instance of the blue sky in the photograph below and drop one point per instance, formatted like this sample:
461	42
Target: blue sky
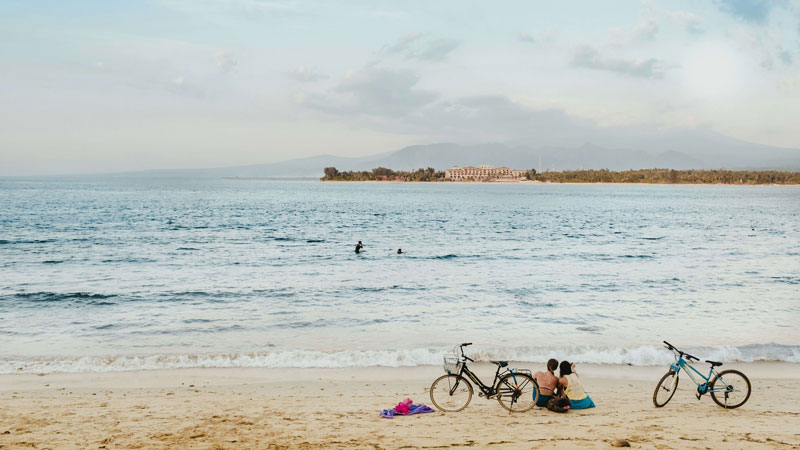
125	85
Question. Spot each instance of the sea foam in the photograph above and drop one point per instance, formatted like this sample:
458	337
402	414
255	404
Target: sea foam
636	356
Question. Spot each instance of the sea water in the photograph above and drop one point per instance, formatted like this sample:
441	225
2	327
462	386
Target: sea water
131	273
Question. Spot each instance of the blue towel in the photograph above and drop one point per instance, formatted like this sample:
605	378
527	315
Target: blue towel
415	409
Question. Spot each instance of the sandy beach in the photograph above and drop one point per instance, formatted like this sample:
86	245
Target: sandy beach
339	408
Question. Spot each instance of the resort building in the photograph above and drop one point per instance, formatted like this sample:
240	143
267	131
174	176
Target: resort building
483	173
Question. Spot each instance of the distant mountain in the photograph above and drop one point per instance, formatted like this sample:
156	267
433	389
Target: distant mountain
625	148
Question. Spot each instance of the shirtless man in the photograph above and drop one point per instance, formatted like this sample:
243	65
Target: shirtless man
547	382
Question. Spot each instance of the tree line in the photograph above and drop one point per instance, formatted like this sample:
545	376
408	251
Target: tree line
383	174
671	176
644	176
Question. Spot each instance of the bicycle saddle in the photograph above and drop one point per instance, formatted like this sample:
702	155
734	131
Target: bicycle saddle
714	363
500	363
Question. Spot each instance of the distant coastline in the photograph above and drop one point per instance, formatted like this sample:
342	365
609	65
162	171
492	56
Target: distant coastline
602	176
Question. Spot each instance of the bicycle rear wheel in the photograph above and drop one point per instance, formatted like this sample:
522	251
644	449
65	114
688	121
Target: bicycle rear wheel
451	393
730	389
665	389
517	392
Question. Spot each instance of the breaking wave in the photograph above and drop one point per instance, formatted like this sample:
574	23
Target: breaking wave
636	356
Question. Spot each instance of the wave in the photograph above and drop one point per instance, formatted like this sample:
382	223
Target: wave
57	297
26	241
636	356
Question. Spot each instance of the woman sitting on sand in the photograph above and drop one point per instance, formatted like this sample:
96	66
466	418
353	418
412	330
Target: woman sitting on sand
573	387
547	381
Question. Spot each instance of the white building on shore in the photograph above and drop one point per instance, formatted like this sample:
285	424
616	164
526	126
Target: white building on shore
483	173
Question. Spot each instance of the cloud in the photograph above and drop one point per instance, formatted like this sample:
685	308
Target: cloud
753	11
789	84
224	62
785	56
179	85
645	29
492	117
524	36
547	36
374	92
306	74
764	46
404	43
438	50
588	57
688	21
414	46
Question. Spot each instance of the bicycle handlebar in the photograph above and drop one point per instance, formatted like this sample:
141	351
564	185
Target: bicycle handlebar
688	356
466	344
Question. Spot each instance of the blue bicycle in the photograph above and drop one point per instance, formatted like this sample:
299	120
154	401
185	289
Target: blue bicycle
729	388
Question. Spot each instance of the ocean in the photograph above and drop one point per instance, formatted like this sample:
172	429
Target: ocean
103	274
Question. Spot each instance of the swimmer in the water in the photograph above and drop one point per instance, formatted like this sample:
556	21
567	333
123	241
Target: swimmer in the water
399	251
359	246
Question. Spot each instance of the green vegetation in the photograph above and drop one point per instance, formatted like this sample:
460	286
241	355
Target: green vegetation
668	176
644	176
383	174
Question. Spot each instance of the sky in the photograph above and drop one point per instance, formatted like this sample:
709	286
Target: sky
104	86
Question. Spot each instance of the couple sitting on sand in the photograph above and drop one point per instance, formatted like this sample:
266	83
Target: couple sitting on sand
568	383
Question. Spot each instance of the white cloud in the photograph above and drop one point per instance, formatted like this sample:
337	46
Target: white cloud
688	21
645	29
524	36
373	92
790	84
547	36
224	62
306	74
415	46
589	57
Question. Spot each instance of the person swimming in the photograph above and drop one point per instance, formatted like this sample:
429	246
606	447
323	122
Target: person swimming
359	246
399	251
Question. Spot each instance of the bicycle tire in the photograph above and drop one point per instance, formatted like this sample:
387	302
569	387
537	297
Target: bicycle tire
671	388
448	402
733	385
513	391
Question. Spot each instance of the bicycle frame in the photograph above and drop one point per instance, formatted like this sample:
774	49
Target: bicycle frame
488	391
702	387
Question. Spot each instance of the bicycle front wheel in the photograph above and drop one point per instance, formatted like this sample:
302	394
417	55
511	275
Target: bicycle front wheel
665	389
451	393
730	389
517	392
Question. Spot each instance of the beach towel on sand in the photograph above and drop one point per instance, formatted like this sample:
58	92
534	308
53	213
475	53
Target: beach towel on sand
413	409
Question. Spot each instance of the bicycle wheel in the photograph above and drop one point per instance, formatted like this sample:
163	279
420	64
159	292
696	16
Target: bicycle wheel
665	389
517	392
730	389
451	393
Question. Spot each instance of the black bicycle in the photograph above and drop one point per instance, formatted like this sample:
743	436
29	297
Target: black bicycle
515	389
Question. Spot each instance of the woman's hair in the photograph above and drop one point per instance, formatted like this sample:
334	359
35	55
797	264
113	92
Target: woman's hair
565	368
552	365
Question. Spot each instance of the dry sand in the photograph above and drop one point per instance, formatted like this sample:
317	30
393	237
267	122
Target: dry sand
338	408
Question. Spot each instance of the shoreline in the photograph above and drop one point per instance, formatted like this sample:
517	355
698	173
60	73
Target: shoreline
531	183
338	408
